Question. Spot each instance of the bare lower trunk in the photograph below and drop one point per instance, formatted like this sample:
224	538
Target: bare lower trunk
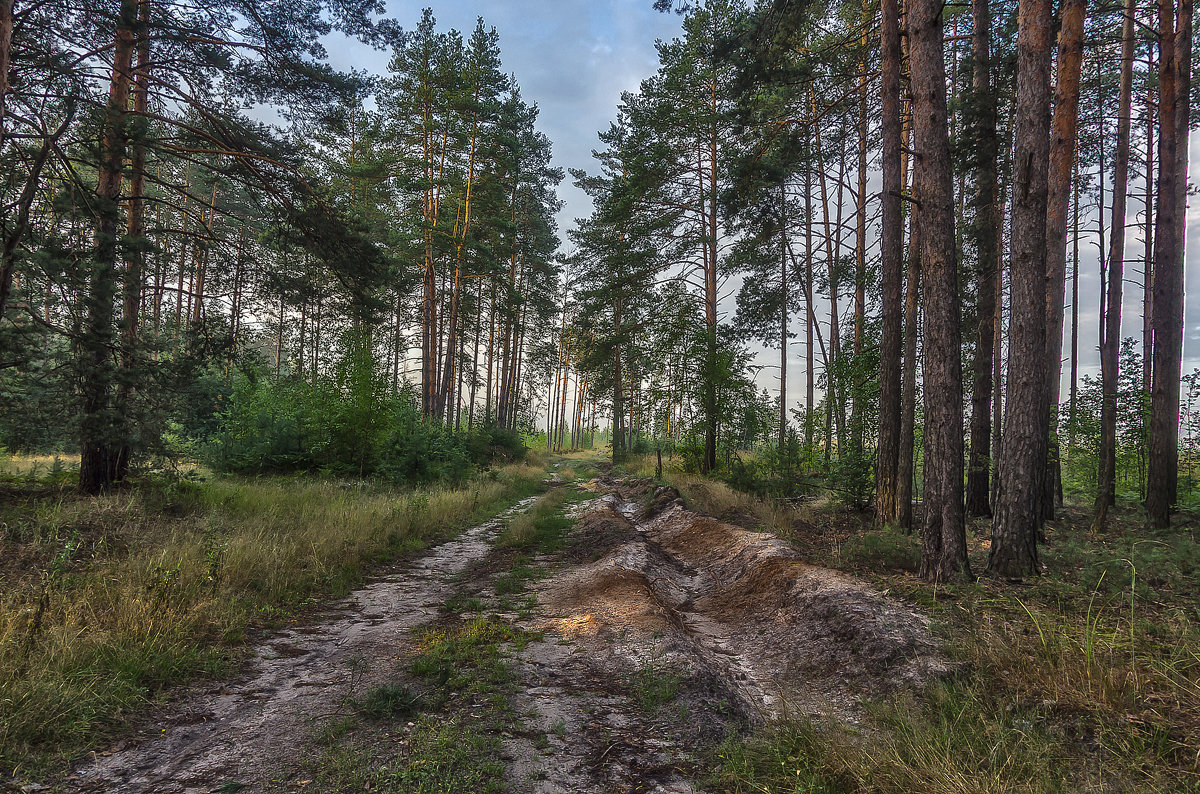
1017	518
943	537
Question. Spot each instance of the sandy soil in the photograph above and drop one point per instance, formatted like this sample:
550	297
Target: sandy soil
244	731
662	631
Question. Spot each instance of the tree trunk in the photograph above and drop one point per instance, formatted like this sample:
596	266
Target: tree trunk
710	295
1110	327
986	230
6	31
1017	516
1148	238
810	315
1063	137
892	277
943	539
783	315
905	465
135	246
857	421
99	428
1174	63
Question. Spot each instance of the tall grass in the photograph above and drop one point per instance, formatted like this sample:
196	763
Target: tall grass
717	498
132	591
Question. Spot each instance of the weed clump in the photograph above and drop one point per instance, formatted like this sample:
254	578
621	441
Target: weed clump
388	702
887	549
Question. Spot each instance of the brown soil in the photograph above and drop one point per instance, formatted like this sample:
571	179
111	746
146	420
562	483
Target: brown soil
743	607
663	630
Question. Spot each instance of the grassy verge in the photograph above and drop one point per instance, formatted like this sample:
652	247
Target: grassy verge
1086	679
104	601
714	497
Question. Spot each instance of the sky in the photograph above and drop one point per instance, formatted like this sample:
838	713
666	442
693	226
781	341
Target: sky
574	58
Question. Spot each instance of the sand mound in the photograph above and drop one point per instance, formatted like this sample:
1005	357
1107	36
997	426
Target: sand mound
739	605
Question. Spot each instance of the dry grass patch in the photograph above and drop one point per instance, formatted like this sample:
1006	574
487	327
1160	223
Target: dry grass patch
125	593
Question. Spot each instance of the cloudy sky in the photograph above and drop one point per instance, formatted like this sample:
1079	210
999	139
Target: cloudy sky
572	57
575	57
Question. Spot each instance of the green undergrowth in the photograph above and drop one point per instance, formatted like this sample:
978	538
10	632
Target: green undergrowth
1086	678
106	600
542	528
441	735
653	685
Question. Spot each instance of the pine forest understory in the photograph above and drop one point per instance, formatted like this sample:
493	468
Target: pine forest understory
896	283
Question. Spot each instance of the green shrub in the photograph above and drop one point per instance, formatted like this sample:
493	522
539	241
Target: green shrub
347	425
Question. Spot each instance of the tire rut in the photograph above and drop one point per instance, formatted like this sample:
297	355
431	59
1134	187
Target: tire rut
237	733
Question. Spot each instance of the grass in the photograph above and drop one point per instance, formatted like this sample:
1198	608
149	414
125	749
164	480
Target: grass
441	740
388	702
1085	679
542	527
106	600
716	498
447	757
653	685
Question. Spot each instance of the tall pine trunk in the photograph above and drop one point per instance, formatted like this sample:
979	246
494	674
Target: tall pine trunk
136	231
1174	64
1110	326
99	425
1063	136
1017	517
943	537
891	265
986	231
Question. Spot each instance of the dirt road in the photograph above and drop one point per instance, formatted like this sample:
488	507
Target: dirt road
652	632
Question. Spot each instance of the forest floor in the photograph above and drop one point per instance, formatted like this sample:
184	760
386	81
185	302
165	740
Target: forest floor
611	635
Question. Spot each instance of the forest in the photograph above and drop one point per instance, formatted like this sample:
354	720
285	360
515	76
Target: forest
851	432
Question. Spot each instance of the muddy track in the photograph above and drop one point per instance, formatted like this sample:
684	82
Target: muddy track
662	630
243	732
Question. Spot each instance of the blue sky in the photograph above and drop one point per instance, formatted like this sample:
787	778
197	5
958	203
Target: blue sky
572	57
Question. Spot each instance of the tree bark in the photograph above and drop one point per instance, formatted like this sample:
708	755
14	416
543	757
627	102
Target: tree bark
1017	517
783	315
810	315
136	232
1063	137
906	463
1174	64
1110	327
891	265
99	428
6	31
943	539
986	230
